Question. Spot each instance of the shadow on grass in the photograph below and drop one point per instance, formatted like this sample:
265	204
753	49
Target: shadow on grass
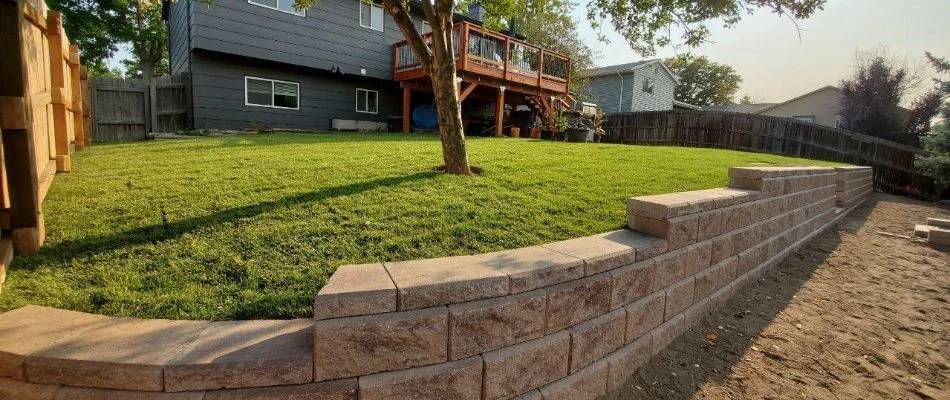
671	374
62	253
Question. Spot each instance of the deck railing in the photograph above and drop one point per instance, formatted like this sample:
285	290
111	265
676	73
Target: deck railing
494	55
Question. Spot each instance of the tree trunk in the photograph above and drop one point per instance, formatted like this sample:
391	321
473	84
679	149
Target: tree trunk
148	68
449	108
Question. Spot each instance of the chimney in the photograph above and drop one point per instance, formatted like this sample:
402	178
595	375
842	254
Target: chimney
476	11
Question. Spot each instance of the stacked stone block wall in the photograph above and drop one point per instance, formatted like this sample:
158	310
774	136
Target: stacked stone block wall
566	320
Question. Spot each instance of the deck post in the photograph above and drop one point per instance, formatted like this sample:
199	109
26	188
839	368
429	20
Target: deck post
500	111
406	96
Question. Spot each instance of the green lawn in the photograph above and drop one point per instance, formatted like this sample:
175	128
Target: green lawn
252	226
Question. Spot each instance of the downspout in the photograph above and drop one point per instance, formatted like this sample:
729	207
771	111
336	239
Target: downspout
620	100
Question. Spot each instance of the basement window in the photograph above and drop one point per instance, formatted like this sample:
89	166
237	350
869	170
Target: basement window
272	93
371	15
367	101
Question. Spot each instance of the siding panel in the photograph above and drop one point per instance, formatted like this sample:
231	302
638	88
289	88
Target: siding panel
179	37
218	87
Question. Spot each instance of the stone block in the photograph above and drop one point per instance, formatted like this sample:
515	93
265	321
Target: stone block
678	232
447	280
922	230
730	219
939	222
532	395
592	340
670	267
114	353
572	302
29	329
354	346
706	283
679	296
661	206
645	246
939	236
644	315
356	290
86	393
460	379
631	282
235	354
698	256
599	253
663	335
588	383
722	247
709	224
341	389
479	326
624	363
518	369
743	239
13	389
535	267
745	212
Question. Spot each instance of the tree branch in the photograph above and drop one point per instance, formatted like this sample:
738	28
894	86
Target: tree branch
399	10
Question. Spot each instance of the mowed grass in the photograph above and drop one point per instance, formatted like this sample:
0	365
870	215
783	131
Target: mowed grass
252	226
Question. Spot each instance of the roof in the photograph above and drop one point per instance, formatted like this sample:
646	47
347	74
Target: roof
621	68
687	106
740	108
823	88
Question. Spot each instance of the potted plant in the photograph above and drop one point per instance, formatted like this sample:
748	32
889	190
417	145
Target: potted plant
579	130
599	119
554	125
534	131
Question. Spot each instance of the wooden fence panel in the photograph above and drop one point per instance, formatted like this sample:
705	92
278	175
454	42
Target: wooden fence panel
893	163
37	131
128	109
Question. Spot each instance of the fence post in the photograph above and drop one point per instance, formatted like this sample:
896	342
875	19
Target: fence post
78	131
26	222
152	104
86	107
54	32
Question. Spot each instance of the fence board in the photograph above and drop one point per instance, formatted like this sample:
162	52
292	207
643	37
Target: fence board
893	163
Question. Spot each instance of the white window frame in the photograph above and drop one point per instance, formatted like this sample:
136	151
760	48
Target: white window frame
382	23
805	118
301	13
272	81
366	93
651	82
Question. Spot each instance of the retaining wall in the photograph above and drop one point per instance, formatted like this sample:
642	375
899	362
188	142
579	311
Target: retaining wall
566	320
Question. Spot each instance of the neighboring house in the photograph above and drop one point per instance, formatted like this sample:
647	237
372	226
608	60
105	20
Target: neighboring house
821	106
639	86
260	63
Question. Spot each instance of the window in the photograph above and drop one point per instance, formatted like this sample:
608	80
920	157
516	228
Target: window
286	6
271	93
648	85
805	118
367	101
371	15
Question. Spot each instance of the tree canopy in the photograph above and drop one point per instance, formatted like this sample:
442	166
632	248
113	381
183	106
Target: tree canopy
935	162
703	82
871	100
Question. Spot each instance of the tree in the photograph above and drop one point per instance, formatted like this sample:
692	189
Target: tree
935	162
145	30
645	25
746	99
90	24
870	100
703	82
942	66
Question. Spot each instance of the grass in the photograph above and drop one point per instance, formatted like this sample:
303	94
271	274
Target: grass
252	226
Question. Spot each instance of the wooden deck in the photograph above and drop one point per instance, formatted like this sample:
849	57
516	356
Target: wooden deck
493	59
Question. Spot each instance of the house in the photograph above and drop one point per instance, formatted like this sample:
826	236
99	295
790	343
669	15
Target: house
821	106
639	86
261	63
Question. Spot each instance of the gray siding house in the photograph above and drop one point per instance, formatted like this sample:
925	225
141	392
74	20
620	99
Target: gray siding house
260	63
640	86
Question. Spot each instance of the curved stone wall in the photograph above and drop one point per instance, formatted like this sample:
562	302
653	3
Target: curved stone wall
566	320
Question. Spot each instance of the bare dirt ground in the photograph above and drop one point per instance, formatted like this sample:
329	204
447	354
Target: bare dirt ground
855	314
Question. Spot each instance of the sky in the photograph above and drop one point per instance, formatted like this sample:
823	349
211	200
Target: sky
775	66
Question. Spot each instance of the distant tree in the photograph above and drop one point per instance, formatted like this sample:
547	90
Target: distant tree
703	82
146	32
746	99
554	28
870	100
936	159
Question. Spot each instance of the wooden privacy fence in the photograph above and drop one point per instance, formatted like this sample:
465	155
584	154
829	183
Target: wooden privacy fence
41	117
893	163
128	109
